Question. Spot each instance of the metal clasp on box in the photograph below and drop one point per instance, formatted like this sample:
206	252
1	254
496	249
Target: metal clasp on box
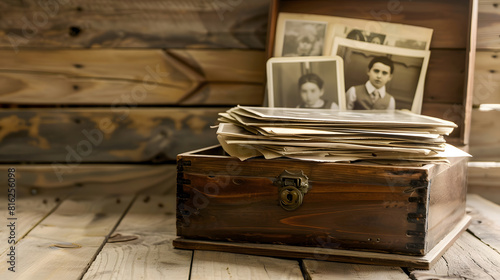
292	186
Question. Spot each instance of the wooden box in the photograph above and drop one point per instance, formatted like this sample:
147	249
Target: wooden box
414	211
390	215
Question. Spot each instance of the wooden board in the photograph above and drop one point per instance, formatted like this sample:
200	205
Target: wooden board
47	180
444	82
467	259
141	246
30	210
246	66
487	78
133	24
321	270
66	242
118	134
485	220
132	77
359	257
484	179
220	265
485	135
488	25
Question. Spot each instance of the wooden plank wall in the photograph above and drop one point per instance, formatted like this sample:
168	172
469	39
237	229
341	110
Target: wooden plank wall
484	169
92	92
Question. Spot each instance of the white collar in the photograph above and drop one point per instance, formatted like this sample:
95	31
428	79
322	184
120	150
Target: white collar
320	103
370	88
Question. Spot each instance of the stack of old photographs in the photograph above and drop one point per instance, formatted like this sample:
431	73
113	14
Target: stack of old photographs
385	137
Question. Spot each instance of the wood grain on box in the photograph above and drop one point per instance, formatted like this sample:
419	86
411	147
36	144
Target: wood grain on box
377	208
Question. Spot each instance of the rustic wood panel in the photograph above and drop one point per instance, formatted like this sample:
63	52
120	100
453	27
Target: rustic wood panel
141	246
126	179
225	94
487	78
488	25
137	77
484	179
247	66
133	24
485	135
485	220
321	270
220	265
67	137
468	258
444	82
29	212
66	242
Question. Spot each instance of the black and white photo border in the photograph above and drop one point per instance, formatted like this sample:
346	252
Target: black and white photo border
339	79
389	50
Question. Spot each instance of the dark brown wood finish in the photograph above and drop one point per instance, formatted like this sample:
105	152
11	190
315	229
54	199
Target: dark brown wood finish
379	208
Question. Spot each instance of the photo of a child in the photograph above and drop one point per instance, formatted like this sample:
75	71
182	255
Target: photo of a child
382	77
304	38
373	95
311	92
306	82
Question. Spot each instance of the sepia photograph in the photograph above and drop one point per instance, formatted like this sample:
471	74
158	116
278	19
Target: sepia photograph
303	38
382	77
306	82
298	37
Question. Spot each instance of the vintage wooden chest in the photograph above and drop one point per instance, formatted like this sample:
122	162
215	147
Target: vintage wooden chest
389	209
390	215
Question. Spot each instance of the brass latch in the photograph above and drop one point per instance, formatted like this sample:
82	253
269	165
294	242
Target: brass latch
292	188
